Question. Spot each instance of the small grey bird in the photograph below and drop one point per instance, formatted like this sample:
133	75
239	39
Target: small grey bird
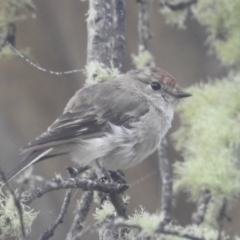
118	122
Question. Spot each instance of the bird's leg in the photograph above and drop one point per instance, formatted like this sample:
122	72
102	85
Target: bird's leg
118	176
102	172
103	176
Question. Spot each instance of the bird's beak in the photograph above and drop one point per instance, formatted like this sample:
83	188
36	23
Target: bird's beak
179	93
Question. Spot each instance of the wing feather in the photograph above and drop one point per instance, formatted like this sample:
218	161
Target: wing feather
89	114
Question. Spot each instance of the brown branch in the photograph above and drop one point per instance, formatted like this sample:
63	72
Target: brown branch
178	6
166	179
8	35
119	34
100	32
144	57
73	172
84	184
202	206
221	217
143	25
119	204
50	231
177	233
80	217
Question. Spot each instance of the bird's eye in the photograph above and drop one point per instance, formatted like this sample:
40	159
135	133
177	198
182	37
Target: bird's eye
156	85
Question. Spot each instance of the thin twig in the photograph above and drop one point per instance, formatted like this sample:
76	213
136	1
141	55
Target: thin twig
166	177
174	232
8	35
50	231
80	217
221	217
65	183
178	6
202	206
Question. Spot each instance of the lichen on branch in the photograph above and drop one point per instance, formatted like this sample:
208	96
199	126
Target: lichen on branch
209	139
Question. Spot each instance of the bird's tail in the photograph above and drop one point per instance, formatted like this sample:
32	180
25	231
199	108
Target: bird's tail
27	161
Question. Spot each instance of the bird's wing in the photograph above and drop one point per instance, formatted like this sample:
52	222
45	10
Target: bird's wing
90	113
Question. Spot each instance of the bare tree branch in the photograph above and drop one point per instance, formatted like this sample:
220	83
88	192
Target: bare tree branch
84	184
119	204
119	33
80	217
144	57
221	217
100	32
202	205
173	232
50	231
166	177
143	25
8	35
73	172
178	6
106	43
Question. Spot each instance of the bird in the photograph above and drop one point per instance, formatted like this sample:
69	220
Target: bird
118	122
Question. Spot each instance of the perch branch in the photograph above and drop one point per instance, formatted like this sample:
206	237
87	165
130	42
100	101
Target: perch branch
84	184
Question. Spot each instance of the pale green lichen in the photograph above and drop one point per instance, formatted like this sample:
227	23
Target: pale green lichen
91	15
221	19
174	17
209	139
8	53
58	176
96	72
102	213
148	222
106	210
143	59
211	217
9	217
12	11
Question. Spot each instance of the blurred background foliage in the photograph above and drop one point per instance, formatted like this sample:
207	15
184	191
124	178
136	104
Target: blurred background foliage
209	136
